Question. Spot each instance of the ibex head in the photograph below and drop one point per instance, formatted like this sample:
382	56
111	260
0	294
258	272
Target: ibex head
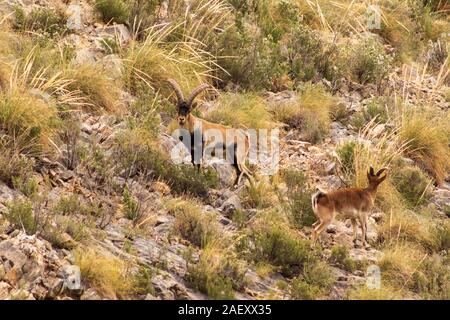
375	178
184	107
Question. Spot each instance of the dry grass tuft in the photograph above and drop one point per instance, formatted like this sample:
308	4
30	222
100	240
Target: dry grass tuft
107	275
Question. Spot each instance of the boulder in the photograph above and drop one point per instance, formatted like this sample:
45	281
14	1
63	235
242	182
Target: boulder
74	21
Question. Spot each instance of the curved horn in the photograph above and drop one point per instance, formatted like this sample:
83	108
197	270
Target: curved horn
177	89
196	92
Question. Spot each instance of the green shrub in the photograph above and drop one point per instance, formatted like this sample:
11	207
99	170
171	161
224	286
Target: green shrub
412	184
298	198
315	281
441	236
432	281
132	209
250	59
20	214
370	63
139	155
29	188
339	255
143	281
346	156
278	245
113	10
191	223
43	20
69	205
217	274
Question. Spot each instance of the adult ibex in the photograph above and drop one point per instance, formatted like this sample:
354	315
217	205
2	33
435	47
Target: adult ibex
353	203
212	134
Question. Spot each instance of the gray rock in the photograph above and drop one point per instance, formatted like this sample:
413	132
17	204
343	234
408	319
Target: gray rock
226	172
118	31
4	290
113	66
232	204
84	55
74	21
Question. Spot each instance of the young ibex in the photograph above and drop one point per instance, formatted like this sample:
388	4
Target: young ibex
237	139
353	203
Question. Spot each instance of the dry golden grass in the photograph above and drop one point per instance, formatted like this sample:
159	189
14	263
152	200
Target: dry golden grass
99	92
427	135
400	226
400	262
191	223
378	150
385	292
246	111
149	64
108	275
22	114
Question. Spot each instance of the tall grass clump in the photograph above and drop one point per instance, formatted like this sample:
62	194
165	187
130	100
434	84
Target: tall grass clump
107	275
150	63
113	10
376	149
427	136
98	91
275	243
311	112
247	111
191	223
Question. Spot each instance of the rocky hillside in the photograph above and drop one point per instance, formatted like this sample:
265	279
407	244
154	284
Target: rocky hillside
89	191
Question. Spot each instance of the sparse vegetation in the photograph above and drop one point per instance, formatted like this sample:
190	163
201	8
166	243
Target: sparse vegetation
412	184
191	223
311	113
428	139
106	274
113	10
20	214
278	245
86	160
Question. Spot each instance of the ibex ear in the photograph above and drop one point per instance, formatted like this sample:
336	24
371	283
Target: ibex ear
371	171
381	171
382	179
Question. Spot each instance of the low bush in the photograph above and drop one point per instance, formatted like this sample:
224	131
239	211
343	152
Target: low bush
315	281
412	184
277	244
192	224
108	275
45	21
298	200
21	216
113	10
217	273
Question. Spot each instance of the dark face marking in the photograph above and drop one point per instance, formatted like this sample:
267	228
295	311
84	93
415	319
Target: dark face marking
183	111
